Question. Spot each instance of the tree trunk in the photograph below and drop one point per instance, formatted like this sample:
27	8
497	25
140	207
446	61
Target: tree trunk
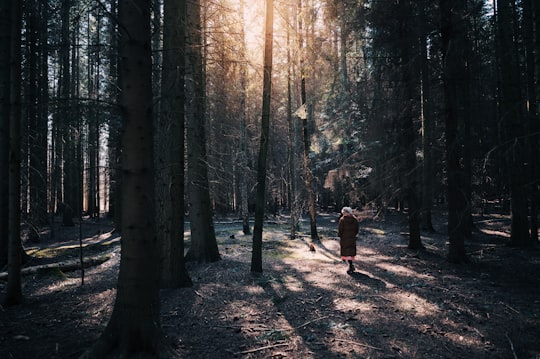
536	205
35	141
532	37
203	238
171	147
513	123
115	124
293	171
428	124
306	133
134	326
243	166
453	37
408	147
256	255
5	44
14	287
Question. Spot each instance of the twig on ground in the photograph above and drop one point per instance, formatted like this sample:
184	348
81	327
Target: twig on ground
261	348
357	343
511	345
509	307
307	323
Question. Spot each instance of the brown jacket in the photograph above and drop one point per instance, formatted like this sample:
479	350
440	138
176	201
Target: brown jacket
347	231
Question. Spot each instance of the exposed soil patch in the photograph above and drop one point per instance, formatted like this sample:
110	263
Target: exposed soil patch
398	304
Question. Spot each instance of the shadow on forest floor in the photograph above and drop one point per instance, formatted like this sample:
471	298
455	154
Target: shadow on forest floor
397	304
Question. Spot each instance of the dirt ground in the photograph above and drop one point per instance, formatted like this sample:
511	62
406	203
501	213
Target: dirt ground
398	304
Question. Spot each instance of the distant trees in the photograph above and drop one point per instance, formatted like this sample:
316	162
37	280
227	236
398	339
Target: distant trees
410	104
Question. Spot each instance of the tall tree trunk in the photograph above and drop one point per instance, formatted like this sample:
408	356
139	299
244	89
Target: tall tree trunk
428	174
134	326
14	287
243	165
408	147
305	131
203	238
35	142
536	128
532	43
115	125
293	171
256	255
170	134
5	48
513	123
454	67
43	110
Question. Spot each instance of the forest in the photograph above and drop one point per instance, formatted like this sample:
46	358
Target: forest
173	171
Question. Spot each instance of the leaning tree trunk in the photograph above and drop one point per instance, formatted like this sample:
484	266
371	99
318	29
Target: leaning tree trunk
134	326
256	255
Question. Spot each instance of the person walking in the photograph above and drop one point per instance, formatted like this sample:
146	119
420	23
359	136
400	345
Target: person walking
347	231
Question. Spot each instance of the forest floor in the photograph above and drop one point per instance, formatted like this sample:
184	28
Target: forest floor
398	304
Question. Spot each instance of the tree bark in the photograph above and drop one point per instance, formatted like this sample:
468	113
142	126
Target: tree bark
306	133
134	326
256	255
408	146
171	148
243	165
5	48
513	123
453	37
293	171
532	13
203	238
14	288
428	125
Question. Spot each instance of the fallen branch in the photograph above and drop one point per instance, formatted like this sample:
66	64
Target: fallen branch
63	266
261	348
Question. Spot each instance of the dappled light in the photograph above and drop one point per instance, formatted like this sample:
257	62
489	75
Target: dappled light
397	303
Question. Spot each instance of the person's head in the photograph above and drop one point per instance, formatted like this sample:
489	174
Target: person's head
347	211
